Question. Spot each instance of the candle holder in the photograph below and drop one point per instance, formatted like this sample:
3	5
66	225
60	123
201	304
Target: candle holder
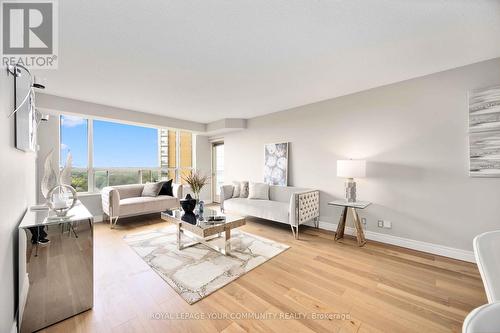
58	199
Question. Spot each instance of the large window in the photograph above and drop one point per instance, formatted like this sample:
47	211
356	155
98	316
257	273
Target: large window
186	154
124	146
217	169
74	133
109	153
124	154
176	154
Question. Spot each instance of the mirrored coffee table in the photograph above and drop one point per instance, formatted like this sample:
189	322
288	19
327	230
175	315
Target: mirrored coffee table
213	234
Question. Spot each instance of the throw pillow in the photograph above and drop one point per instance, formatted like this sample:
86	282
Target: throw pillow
166	188
244	189
151	189
237	189
258	191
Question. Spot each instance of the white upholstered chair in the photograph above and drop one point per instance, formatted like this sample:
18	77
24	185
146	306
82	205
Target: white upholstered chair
486	318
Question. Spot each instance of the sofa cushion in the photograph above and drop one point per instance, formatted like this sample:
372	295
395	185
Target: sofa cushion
236	189
151	189
138	205
166	188
283	193
266	209
129	191
244	189
258	191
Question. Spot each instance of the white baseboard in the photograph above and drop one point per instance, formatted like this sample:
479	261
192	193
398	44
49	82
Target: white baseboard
98	218
441	250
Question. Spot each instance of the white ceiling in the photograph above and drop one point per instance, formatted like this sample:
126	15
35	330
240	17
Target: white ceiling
210	59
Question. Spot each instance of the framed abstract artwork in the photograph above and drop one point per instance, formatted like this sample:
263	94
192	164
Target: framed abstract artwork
276	164
484	132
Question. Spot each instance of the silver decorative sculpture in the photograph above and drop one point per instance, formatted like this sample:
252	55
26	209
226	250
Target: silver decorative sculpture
49	179
65	177
56	186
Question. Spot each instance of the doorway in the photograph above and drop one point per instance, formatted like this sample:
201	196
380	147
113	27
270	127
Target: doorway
217	170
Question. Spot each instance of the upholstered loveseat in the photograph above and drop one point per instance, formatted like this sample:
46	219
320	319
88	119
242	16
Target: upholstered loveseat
286	204
127	200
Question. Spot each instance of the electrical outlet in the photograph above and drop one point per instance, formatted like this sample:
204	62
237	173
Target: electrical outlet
387	224
363	222
380	223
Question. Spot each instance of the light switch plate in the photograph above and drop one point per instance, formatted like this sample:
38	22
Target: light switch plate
380	223
387	224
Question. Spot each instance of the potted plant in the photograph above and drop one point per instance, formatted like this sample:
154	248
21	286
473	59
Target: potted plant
196	180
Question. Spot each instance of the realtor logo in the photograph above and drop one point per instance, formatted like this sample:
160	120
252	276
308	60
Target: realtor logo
29	33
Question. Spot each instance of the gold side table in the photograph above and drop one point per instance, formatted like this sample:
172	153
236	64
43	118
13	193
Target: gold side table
350	206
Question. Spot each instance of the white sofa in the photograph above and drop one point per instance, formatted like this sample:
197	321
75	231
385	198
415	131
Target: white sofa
486	318
127	200
286	204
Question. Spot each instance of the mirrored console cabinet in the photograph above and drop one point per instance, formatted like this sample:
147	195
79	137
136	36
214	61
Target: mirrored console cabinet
59	269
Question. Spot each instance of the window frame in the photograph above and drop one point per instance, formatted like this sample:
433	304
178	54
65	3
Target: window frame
91	170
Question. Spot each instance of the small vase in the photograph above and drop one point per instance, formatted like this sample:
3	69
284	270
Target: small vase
188	204
201	207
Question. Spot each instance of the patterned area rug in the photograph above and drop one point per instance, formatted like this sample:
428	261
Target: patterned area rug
198	271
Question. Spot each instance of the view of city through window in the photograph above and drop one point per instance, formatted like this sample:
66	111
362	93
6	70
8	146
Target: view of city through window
74	139
122	154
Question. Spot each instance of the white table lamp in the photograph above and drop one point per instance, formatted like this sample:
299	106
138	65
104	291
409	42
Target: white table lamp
351	169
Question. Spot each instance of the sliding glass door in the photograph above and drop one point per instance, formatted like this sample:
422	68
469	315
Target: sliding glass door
217	169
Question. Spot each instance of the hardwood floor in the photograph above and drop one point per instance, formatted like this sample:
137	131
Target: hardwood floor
381	288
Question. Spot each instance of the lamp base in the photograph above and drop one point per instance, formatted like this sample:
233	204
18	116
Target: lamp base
350	190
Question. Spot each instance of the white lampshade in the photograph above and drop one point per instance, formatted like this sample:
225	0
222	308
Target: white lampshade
351	168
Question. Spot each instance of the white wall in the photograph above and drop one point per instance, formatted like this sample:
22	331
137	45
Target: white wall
204	164
17	178
414	136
